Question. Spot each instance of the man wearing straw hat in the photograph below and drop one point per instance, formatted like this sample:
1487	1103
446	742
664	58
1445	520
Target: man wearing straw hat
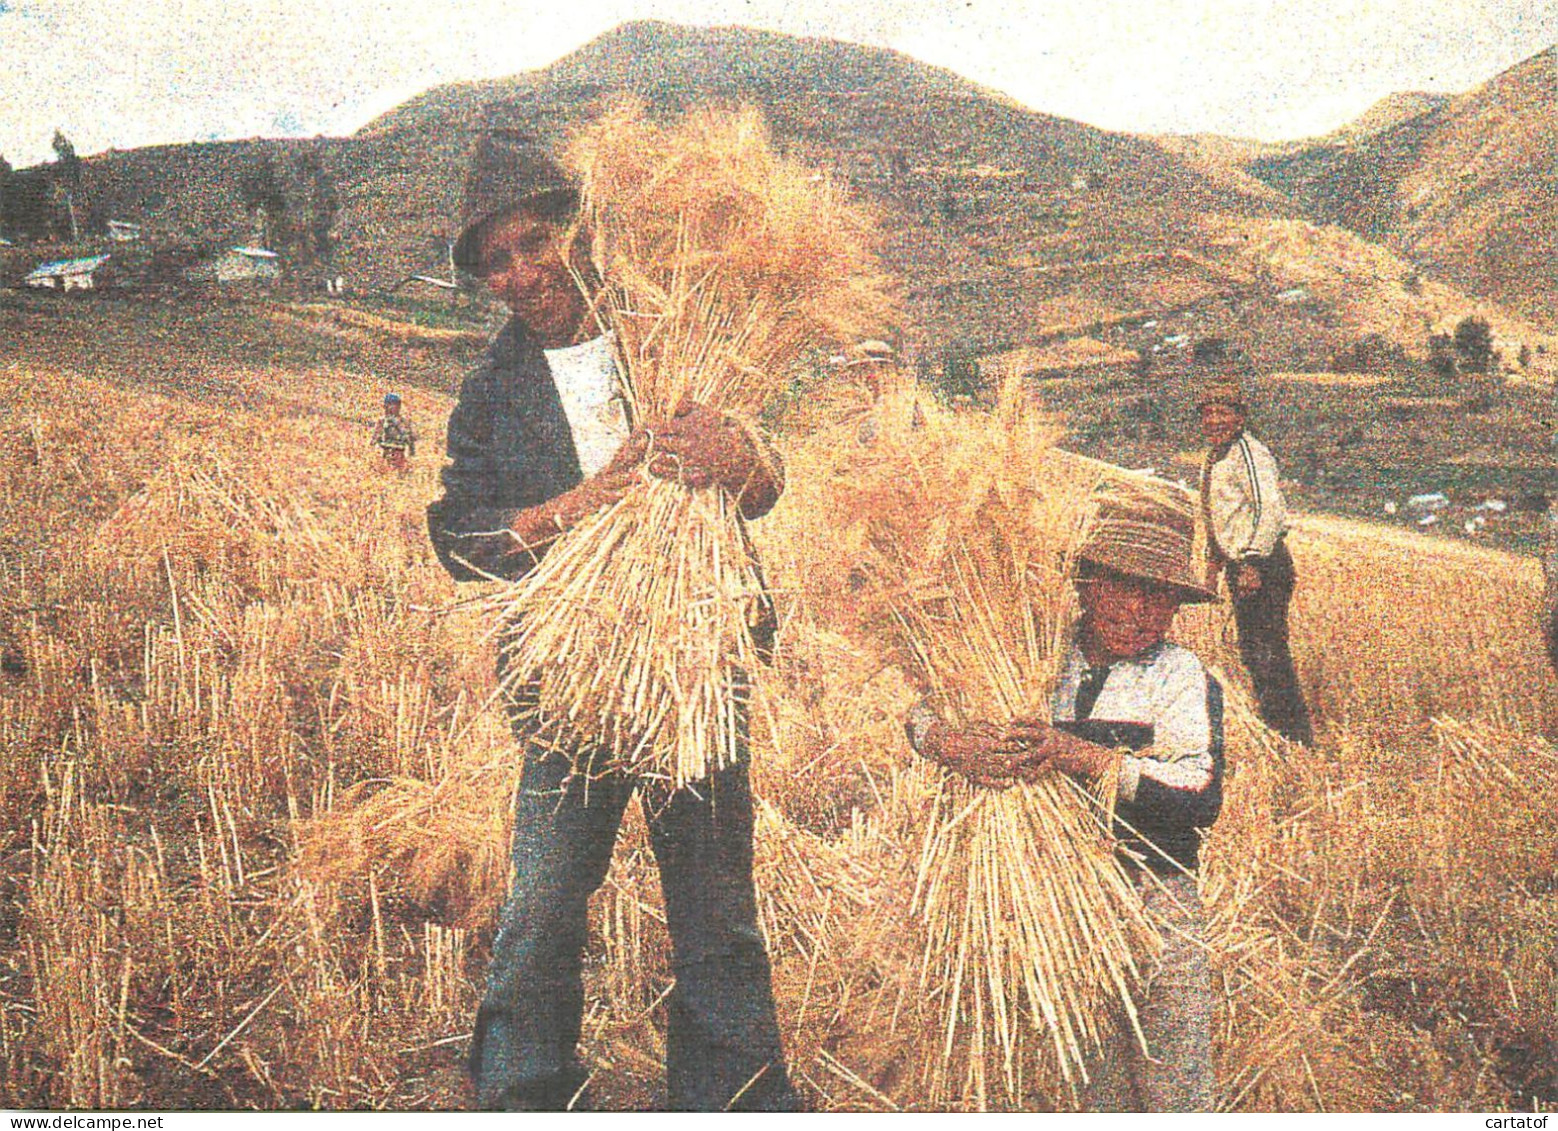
538	440
1246	523
1132	709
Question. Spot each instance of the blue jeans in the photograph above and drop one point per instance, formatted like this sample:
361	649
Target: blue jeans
722	1040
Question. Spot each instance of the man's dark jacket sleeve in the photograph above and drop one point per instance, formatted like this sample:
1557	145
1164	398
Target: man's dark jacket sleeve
509	447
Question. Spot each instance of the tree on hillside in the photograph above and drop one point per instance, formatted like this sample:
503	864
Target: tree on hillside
67	178
957	377
1210	351
1441	357
1474	344
266	201
5	183
320	205
29	205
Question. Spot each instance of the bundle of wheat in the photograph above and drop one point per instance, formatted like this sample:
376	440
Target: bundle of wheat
719	262
442	845
1031	925
953	549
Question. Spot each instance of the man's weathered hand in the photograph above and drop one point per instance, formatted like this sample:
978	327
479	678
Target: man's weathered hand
980	751
1044	746
702	448
538	526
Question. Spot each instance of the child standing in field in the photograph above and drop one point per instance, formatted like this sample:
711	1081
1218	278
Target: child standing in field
396	438
1132	705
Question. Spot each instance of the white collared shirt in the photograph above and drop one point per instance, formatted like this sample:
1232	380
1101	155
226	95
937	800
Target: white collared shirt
591	392
1244	498
1165	688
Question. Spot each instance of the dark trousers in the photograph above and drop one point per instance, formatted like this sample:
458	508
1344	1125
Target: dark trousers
1262	617
722	1040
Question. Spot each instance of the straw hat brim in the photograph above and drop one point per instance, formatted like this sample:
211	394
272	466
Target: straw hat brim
1176	576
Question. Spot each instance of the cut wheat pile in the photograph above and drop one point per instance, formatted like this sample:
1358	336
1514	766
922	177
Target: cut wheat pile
720	263
1031	934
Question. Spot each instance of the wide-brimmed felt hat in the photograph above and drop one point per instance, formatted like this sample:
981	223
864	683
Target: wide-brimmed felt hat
510	168
1146	531
1220	368
1221	388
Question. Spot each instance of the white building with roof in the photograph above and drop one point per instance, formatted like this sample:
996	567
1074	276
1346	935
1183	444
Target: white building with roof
67	274
237	265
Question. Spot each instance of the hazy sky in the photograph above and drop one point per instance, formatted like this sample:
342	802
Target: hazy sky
125	73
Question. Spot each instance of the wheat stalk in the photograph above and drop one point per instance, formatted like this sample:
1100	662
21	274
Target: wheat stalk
719	262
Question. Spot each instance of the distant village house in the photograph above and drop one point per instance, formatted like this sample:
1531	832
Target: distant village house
69	274
237	265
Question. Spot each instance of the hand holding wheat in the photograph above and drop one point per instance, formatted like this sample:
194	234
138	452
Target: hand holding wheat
980	751
715	263
702	448
1044	747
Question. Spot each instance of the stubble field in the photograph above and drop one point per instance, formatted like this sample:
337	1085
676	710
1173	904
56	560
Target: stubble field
253	791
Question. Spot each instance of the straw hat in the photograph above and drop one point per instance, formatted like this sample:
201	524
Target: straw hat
510	168
1147	532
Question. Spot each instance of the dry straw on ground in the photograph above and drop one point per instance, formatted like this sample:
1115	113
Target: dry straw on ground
719	263
1383	908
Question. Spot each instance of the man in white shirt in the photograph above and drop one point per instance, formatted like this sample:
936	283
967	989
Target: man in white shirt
1246	521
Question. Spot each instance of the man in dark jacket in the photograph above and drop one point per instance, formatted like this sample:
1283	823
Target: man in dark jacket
539	440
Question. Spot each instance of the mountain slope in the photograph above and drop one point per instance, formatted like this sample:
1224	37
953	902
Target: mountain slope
975	191
1006	225
662	59
1468	187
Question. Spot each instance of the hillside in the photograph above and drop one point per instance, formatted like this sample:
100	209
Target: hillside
1227	160
1466	187
1386	114
1008	227
671	60
974	190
